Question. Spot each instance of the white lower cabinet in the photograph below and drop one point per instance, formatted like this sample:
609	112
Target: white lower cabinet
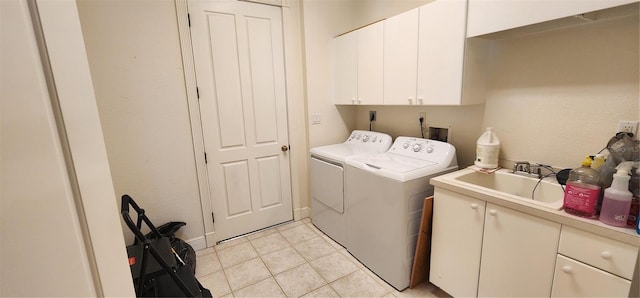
456	243
518	254
482	249
576	279
591	265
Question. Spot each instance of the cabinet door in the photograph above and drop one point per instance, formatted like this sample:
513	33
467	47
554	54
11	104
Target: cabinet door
370	45
441	52
489	16
456	242
345	69
401	58
576	279
518	254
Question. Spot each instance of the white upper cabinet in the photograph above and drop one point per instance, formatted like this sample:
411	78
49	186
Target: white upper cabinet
489	16
401	58
451	69
345	69
358	66
370	69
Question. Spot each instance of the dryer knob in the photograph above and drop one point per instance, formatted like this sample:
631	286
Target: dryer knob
417	147
429	149
365	138
405	145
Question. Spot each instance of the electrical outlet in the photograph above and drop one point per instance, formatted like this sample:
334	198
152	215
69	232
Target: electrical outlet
422	115
372	116
628	126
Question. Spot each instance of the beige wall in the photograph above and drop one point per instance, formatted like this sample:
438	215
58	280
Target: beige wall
135	59
464	124
323	20
557	96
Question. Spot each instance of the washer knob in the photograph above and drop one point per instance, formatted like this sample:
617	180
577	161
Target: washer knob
429	149
365	138
417	147
405	145
374	139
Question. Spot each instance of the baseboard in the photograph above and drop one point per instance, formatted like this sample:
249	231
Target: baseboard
301	213
197	243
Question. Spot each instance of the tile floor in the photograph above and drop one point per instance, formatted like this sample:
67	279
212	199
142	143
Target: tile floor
292	260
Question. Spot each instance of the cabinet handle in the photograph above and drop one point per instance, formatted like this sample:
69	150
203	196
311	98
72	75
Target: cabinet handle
419	100
606	255
493	212
566	269
474	206
359	100
410	100
353	100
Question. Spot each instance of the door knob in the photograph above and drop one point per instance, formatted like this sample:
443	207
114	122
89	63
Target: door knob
284	148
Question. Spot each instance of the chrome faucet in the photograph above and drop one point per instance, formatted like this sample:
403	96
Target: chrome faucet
527	168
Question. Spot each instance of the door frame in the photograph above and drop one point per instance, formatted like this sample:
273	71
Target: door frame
296	113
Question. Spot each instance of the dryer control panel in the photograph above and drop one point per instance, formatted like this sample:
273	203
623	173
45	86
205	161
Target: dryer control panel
369	138
431	150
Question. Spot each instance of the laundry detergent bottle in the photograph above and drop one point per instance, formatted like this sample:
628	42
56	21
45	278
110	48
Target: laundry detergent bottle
487	150
617	198
582	191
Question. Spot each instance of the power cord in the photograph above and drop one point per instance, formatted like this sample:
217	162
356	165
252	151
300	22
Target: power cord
371	118
421	119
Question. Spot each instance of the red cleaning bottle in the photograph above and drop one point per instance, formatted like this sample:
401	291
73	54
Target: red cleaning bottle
582	191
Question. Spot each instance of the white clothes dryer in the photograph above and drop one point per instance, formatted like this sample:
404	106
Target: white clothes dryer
327	179
384	198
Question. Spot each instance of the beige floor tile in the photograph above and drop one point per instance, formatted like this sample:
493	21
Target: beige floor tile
270	243
205	251
314	248
282	260
207	264
333	266
266	288
326	291
425	289
236	254
299	280
358	284
298	234
216	283
247	273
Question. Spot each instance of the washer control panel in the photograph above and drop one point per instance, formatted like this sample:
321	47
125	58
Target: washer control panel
422	148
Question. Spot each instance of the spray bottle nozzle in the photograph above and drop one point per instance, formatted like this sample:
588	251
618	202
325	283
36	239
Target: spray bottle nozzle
624	168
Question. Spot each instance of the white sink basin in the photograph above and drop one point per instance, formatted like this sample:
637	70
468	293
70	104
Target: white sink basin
502	183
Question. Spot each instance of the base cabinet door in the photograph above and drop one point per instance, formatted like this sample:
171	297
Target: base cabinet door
576	279
518	254
456	243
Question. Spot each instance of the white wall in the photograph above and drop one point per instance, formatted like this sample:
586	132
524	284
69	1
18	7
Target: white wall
557	96
323	20
58	222
135	59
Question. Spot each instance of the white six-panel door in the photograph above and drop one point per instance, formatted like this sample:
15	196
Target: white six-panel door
239	62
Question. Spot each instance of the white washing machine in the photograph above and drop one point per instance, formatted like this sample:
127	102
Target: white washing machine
327	179
384	198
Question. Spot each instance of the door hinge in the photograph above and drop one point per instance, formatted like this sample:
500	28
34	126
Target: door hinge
213	218
189	19
205	158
